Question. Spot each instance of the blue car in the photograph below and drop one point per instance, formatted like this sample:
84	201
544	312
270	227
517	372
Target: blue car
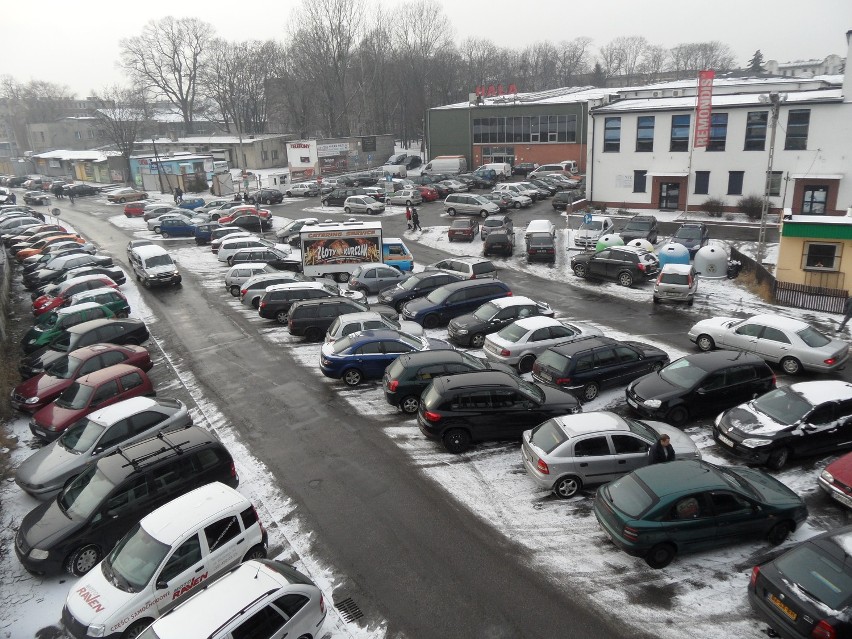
366	355
451	300
176	227
191	203
204	232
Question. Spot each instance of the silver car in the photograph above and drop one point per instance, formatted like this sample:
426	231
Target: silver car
45	472
521	342
496	223
407	197
372	277
356	322
676	283
566	453
362	204
238	274
793	344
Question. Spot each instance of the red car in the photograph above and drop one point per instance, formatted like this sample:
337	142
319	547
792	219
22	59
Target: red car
239	211
463	229
88	394
135	209
37	392
58	295
428	193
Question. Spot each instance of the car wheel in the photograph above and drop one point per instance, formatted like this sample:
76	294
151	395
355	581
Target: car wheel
255	552
313	334
136	629
625	279
451	212
341	278
235	291
590	391
146	283
289	194
347	210
409	405
516	205
156	229
122	314
281	317
398	306
660	556
456	441
215	217
778	458
705	343
677	416
83	560
408	203
791	365
430	321
165	235
267	201
122	200
477	340
567	487
779	533
352	377
656	367
255	303
324	202
483	213
525	365
580	270
230	261
656	300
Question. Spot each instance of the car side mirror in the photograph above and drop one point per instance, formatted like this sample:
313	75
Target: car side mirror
162	585
98	450
701	391
808	428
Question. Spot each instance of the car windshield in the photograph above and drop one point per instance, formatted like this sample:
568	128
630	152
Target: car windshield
75	396
81	436
819	575
344	343
638	225
531	390
548	436
64	367
737	481
541	239
629	495
85	493
688	233
158	260
554	360
473	362
683	373
134	560
783	405
486	311
368	200
813	337
513	332
594	225
461	224
411	341
62	343
642	429
674	278
439	295
493	222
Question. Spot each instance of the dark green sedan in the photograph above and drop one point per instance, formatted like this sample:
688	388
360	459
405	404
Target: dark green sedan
51	326
658	511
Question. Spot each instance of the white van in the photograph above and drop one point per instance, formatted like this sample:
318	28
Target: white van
540	226
152	265
394	170
503	169
170	555
446	164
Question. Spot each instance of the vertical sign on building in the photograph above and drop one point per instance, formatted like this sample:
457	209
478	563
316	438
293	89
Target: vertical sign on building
703	108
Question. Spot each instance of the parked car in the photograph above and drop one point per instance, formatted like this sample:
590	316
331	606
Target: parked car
805	592
223	233
470	268
522	341
240	273
191	203
427	193
567	453
496	223
463	229
471	329
640	227
372	277
233	243
204	232
36	197
676	283
233	215
469	205
624	264
265	196
524	168
406	197
277	299
302	189
43	333
274	257
452	300
155	223
800	420
338	196
57	295
252	290
565	199
97	508
64	267
692	235
502	200
119	195
544	186
699	384
836	480
362	204
540	192
175	227
661	510
793	344
311	318
46	471
541	247
591	231
366	354
499	243
83	190
416	285
516	189
368	320
111	298
292	229
459	410
586	366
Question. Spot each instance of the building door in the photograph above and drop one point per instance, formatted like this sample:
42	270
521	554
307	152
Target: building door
669	195
814	199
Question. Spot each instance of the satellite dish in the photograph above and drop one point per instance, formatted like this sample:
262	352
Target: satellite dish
55	212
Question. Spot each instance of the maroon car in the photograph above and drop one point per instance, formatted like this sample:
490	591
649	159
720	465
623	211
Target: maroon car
37	392
463	229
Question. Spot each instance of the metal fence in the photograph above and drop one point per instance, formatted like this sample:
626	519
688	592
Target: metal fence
812	298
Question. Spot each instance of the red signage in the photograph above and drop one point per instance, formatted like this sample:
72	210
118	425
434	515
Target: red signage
703	108
490	91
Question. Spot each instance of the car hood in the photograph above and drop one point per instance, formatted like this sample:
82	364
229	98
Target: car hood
94	600
647	350
163	268
653	386
41	386
438	344
747	420
50	465
59	418
633	235
842	469
587	233
684	446
468	322
717	323
558	400
412	328
688	243
46	525
42	358
772	491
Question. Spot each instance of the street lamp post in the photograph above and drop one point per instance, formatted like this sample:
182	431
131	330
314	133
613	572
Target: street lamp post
774	99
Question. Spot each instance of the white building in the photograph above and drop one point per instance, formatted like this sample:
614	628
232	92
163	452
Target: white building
639	145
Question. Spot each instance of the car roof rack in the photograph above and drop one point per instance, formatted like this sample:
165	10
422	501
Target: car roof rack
137	462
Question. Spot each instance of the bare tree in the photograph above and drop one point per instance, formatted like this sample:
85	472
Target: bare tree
122	114
167	58
574	60
633	49
655	61
611	58
31	102
695	56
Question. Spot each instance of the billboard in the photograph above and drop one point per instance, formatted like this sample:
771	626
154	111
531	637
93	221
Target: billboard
346	248
302	157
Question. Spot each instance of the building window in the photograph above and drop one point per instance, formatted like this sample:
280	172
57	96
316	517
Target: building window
821	256
275	154
542	129
534	130
78	135
90	134
264	156
718	132
702	182
798	121
755	136
612	135
680	133
775	182
645	133
814	199
735	182
640	179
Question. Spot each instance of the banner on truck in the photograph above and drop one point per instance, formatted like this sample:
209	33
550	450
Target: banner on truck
341	250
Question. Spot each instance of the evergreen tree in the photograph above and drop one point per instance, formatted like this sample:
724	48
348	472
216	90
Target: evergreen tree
598	76
755	65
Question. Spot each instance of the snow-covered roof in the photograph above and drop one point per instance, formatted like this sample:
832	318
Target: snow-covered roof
719	101
842	220
63	154
823	390
175	157
219	139
564	95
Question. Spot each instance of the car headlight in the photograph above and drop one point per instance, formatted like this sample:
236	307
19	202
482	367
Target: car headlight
827	476
461	331
38	554
175	272
652	403
31	400
756	443
96	630
718	419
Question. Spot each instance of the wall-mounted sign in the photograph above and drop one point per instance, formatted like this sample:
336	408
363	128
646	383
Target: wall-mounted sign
490	91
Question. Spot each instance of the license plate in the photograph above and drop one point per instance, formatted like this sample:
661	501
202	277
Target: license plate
632	403
726	440
782	607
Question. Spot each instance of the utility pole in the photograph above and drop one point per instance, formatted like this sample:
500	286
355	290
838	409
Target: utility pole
159	166
775	99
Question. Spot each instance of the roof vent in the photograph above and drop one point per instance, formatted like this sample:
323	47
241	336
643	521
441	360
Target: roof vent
656	94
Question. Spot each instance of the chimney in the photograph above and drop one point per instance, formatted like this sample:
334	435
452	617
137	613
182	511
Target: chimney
847	74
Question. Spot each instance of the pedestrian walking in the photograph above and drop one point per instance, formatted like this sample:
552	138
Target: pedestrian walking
245	197
661	450
415	220
408	217
178	195
847	313
12	199
71	195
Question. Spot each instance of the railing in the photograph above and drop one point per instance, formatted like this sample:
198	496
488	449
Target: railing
812	298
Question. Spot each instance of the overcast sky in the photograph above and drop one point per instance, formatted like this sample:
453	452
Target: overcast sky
76	43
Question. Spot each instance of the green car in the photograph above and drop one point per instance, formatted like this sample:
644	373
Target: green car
51	326
113	299
658	511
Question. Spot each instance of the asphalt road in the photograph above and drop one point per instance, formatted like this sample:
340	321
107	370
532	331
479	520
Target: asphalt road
408	554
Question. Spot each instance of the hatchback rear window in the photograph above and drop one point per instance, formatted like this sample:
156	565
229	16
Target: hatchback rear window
629	496
818	574
548	436
675	278
554	360
483	267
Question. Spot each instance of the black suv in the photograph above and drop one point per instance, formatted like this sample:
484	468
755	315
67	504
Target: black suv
471	407
640	227
562	199
498	243
409	374
338	196
470	330
541	247
312	318
523	168
700	384
417	285
96	509
276	302
266	196
588	365
624	264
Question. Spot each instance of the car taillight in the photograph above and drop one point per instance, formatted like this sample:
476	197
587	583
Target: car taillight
530	251
640	266
755	572
263	304
774	379
393	384
562	380
509	294
322	604
233	469
432	417
631	534
660	277
504	352
542	467
689	280
830	361
290	324
259	523
824	630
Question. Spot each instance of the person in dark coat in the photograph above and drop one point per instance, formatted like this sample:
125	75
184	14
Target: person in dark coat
847	313
12	199
661	451
415	220
178	195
